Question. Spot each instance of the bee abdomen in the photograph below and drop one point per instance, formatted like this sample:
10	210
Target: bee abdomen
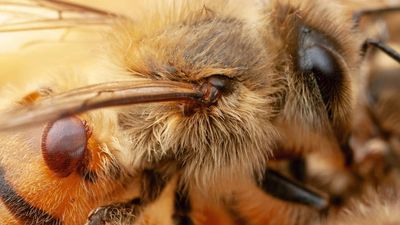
22	210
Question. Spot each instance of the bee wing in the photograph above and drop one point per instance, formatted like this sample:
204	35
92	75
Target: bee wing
97	96
28	15
35	23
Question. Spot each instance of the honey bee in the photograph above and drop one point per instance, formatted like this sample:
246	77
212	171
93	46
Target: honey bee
192	96
368	184
375	128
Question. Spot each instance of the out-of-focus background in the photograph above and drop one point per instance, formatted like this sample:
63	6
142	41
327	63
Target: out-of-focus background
31	54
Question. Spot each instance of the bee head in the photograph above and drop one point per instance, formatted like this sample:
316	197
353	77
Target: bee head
230	131
265	76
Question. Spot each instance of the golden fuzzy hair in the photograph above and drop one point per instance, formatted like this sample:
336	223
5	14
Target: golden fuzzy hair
187	42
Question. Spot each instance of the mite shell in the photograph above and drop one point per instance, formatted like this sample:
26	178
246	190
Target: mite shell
64	145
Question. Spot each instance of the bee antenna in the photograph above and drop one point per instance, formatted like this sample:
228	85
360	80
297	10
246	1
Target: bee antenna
371	12
392	53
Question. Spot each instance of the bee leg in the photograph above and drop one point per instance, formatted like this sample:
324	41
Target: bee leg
117	212
152	184
282	188
297	168
182	207
381	46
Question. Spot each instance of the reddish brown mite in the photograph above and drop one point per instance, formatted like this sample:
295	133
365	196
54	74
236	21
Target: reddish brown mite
64	145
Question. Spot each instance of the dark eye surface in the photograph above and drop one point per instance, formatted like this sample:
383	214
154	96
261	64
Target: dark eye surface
64	145
320	62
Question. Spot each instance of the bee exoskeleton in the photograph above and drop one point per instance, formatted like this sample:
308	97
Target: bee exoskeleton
64	144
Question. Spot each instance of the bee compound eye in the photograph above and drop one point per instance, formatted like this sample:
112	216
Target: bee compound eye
320	62
64	145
